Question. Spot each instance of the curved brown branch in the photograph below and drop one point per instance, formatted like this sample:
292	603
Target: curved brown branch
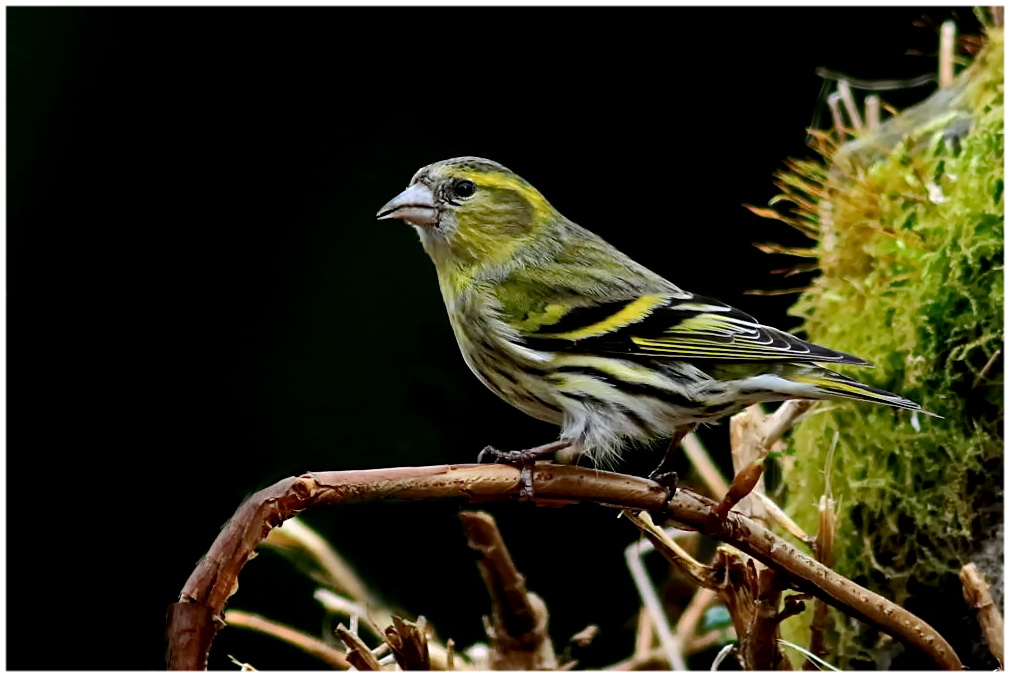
195	619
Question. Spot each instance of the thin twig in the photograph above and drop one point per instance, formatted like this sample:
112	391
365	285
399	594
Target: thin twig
985	369
650	598
780	517
748	454
358	653
745	438
334	603
812	660
438	654
837	120
700	643
702	462
671	549
655	659
330	568
305	642
721	656
872	107
242	667
948	32
823	551
693	613
784	418
643	633
752	435
850	104
194	620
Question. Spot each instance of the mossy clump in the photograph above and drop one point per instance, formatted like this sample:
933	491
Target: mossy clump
909	229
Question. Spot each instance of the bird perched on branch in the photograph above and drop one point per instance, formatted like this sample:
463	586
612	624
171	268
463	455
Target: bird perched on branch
570	330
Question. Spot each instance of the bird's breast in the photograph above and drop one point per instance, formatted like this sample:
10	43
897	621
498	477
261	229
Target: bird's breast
495	354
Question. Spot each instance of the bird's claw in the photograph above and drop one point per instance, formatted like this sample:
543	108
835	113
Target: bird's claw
524	460
667	480
514	458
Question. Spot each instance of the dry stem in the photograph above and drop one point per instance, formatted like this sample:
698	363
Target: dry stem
688	623
307	643
519	639
643	634
823	551
653	606
978	596
946	70
358	653
749	590
327	565
752	435
409	643
776	424
849	101
355	612
702	463
751	593
872	105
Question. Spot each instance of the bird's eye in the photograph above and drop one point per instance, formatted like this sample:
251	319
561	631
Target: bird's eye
464	188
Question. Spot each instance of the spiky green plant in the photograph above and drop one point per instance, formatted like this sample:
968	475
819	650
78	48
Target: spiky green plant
909	229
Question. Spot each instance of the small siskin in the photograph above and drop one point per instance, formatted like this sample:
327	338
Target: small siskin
568	329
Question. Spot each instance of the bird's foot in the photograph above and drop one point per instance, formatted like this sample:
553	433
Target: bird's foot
667	480
524	460
662	477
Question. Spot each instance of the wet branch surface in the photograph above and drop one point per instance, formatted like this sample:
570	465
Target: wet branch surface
196	618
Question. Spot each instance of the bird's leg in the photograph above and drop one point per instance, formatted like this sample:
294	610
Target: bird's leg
523	459
668	479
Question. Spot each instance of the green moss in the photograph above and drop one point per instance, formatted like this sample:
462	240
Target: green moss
909	224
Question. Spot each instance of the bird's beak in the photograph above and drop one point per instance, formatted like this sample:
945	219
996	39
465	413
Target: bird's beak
416	206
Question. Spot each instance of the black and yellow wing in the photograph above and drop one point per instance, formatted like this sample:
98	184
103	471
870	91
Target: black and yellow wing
662	325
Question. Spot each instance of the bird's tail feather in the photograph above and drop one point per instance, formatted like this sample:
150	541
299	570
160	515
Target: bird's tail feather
836	385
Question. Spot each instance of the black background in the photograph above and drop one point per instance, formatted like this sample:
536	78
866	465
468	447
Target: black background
201	301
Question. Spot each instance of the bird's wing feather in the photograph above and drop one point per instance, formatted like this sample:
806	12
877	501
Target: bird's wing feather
662	325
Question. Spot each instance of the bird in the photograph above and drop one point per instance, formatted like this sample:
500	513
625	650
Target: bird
570	330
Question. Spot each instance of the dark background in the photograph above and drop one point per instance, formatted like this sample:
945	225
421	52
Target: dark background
201	301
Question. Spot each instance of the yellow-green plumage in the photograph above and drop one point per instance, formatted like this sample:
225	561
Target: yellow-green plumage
568	329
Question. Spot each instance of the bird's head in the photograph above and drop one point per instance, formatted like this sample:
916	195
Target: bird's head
470	212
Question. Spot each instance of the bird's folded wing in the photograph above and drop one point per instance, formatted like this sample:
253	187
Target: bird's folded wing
664	326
